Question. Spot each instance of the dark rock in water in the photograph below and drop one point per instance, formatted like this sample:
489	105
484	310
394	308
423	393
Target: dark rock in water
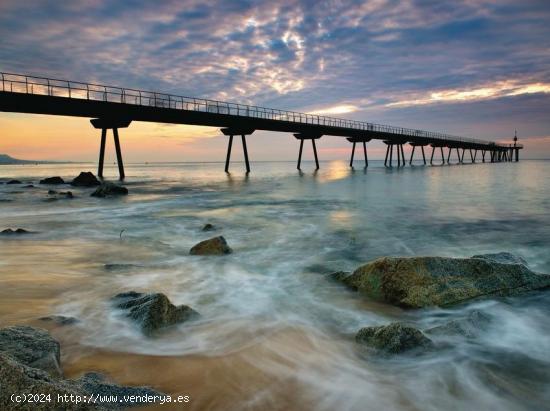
208	227
9	231
52	192
20	375
470	326
14	182
52	180
394	338
415	282
29	186
85	179
59	319
109	189
119	266
152	311
212	246
67	194
33	347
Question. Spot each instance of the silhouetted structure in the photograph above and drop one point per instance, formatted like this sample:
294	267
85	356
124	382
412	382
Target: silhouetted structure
115	107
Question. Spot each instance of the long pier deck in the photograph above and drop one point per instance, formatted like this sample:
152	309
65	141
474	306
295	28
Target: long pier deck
112	108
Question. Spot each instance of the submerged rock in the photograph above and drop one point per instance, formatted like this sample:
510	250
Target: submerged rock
212	246
9	231
415	282
85	179
14	182
109	189
394	338
208	227
152	311
59	319
470	326
52	180
20	373
33	347
29	186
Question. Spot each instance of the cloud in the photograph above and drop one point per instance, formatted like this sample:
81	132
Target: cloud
339	109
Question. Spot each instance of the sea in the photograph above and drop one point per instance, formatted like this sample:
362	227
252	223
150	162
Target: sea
275	332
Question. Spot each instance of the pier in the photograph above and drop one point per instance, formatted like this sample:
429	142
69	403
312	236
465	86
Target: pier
112	108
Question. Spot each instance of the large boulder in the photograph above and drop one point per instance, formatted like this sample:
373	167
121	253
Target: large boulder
85	179
33	347
52	180
395	338
414	282
212	246
109	189
152	311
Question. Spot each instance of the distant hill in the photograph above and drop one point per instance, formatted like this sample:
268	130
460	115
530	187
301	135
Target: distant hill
6	159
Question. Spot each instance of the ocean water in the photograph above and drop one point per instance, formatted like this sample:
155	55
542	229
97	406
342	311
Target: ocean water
275	332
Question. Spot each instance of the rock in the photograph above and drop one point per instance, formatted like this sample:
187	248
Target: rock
208	227
85	179
59	319
52	180
33	347
67	194
152	311
52	192
394	338
14	182
29	186
9	231
469	326
212	246
414	282
109	189
18	377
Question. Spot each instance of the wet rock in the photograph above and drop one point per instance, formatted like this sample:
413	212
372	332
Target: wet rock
20	375
59	319
470	326
395	338
29	186
152	311
120	266
85	179
502	257
208	227
212	246
59	194
33	347
52	180
109	189
9	231
52	192
14	182
415	282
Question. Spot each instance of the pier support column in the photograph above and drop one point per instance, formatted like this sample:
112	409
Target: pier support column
423	155
312	137
483	156
412	154
471	156
113	124
432	157
442	155
449	155
354	141
231	132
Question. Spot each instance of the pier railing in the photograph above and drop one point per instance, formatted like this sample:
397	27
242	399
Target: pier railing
17	83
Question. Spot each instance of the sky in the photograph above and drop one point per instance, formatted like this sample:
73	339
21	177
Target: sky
472	68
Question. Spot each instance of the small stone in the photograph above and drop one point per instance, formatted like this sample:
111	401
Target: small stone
109	189
85	179
394	338
9	231
14	182
29	186
212	246
67	194
208	227
52	192
152	311
59	319
52	180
